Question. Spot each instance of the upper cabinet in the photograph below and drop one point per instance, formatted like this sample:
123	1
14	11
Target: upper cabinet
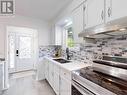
115	9
78	24
94	13
97	12
108	11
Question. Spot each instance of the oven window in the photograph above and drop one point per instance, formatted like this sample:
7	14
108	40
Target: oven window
75	91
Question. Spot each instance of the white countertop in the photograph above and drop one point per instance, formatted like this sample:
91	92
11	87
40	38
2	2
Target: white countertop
73	65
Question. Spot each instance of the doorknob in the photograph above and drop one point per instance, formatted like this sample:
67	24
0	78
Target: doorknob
17	52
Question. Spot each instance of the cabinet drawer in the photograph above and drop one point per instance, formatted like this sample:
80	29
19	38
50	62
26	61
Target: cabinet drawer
56	68
66	74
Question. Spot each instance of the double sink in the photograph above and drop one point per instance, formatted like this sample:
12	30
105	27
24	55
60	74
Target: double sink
62	61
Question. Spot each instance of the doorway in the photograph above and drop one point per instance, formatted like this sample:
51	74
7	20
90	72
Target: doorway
21	49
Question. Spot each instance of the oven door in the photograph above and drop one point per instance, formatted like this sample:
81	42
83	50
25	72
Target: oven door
78	89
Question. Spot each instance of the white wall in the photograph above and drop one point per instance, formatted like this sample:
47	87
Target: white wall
42	27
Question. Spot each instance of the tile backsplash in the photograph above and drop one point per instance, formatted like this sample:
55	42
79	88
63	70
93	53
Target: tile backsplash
48	50
115	46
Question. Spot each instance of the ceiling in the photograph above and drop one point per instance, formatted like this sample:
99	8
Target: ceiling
41	9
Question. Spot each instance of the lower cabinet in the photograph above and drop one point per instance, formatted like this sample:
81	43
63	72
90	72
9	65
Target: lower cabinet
46	70
51	74
56	83
40	75
1	76
65	86
58	78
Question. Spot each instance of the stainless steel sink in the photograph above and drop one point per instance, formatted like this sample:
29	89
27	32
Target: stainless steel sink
62	61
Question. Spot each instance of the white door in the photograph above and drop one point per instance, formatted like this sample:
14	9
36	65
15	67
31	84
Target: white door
51	74
56	79
78	23
65	86
20	52
46	70
117	9
95	13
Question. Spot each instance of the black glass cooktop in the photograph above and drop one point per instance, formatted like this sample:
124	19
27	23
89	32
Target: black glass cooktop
113	84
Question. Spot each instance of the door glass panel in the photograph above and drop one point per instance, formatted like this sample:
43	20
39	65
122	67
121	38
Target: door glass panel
25	47
12	51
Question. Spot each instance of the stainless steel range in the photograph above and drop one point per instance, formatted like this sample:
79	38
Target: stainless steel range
105	77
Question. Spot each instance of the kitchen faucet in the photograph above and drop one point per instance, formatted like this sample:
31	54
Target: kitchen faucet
68	54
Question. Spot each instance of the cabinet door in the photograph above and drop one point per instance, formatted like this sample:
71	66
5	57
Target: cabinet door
95	13
41	70
1	76
51	74
56	83
78	25
108	12
117	9
65	86
46	70
56	79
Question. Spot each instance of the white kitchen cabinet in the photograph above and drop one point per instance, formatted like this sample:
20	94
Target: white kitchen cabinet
56	83
94	13
46	70
56	79
77	16
51	74
1	75
115	9
40	74
65	82
58	35
65	86
108	11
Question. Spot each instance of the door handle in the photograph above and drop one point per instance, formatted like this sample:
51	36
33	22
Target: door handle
17	52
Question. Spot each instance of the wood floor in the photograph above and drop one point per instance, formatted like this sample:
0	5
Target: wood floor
28	86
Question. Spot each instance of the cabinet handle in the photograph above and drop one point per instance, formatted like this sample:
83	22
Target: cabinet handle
84	8
109	12
102	15
84	16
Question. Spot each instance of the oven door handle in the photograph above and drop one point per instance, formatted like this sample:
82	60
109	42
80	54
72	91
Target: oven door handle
82	89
